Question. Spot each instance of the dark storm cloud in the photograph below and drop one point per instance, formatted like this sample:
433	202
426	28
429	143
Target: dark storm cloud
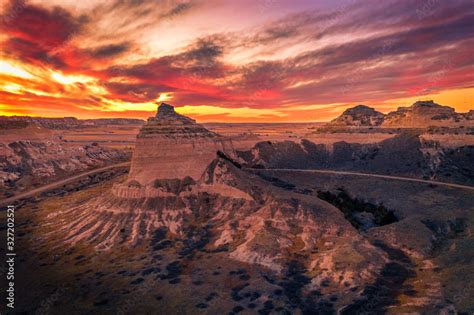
275	33
353	16
110	50
203	55
31	51
35	32
199	59
192	70
394	16
417	40
135	92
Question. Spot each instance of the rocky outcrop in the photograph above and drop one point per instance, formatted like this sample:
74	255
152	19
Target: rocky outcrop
359	116
423	114
469	115
171	146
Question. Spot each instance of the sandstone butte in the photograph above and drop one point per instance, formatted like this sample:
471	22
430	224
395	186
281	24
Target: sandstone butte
173	146
182	183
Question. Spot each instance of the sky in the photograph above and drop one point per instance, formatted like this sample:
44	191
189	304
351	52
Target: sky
233	61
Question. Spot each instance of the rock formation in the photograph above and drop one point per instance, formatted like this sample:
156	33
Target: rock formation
172	146
182	187
189	210
423	114
237	212
359	116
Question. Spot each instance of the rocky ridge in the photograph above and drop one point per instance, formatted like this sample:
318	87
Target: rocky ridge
27	162
407	154
64	122
421	114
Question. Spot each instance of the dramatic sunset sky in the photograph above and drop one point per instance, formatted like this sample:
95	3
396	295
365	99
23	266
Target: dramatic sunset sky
255	60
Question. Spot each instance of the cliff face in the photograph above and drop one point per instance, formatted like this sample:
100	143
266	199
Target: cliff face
407	154
172	146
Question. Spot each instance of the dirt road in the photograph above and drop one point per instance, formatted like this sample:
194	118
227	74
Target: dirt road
59	183
75	177
408	179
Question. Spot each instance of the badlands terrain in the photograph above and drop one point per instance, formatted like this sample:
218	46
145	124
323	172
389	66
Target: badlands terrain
34	153
231	219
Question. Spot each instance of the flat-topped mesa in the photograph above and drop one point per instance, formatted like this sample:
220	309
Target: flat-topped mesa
173	146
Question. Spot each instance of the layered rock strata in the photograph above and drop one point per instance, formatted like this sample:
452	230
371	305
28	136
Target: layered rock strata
241	214
171	145
226	209
424	114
